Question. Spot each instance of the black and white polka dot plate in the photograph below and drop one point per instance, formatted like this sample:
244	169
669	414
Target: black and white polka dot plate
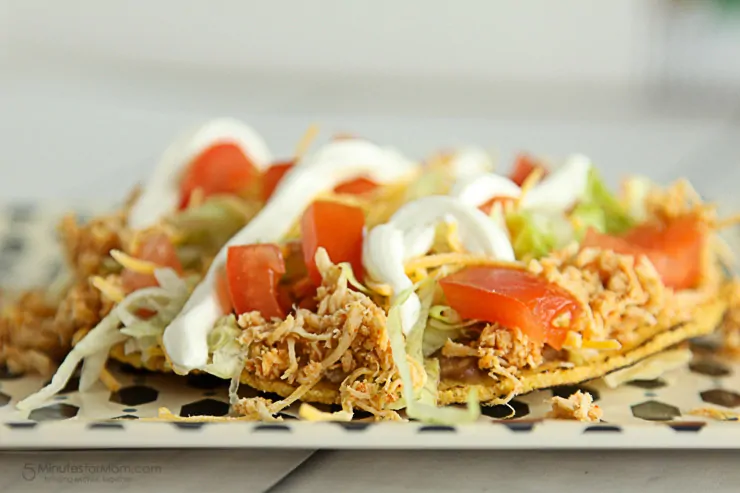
640	414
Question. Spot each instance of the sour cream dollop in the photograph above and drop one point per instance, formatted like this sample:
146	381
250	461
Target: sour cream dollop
161	193
470	161
186	338
559	191
410	233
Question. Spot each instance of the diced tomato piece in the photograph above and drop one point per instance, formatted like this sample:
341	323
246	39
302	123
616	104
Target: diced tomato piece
674	248
357	186
158	249
295	284
222	168
512	298
336	227
488	206
253	273
222	291
523	167
273	175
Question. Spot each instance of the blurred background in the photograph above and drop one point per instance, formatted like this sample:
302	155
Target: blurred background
93	91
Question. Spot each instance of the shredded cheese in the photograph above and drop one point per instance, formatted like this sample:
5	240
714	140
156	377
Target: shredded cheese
308	137
454	258
109	380
110	291
418	275
716	414
529	183
164	414
573	340
197	197
134	264
381	289
606	345
345	199
310	413
727	222
78	335
453	237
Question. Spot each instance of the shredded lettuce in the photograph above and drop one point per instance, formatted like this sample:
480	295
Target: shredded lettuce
99	340
636	190
225	349
415	337
435	338
429	392
537	233
445	314
415	407
212	223
166	300
585	216
122	324
434	181
443	323
600	209
533	235
349	275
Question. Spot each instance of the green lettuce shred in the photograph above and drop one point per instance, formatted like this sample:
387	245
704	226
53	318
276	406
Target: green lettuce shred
419	407
212	223
532	234
600	209
225	349
636	190
429	392
434	181
435	338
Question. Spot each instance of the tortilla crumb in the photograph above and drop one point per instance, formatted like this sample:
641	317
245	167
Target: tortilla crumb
578	407
716	414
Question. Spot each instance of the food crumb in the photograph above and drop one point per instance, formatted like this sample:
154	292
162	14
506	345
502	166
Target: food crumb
579	406
716	414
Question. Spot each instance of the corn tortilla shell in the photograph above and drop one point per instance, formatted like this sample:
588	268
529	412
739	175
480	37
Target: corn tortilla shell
649	341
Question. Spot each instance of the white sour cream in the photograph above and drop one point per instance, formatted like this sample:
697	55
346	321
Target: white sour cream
161	192
470	161
559	191
410	233
185	339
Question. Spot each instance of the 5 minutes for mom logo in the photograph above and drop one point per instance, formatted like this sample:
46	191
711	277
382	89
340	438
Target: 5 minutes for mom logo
71	472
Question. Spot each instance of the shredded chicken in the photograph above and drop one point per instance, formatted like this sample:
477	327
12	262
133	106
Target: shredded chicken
512	349
344	340
618	292
579	406
458	350
87	246
35	334
677	200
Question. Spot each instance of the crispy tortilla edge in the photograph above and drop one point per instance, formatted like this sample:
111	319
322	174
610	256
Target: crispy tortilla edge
707	319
